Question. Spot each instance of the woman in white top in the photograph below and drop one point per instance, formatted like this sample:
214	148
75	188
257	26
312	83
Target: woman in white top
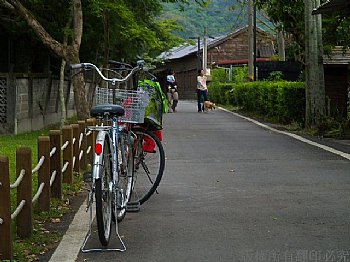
202	90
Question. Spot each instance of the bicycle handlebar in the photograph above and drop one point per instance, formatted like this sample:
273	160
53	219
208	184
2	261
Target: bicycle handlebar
139	67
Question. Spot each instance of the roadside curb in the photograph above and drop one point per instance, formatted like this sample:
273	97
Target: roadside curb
69	246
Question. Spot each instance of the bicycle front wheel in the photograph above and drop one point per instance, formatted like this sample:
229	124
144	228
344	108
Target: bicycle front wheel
103	195
149	163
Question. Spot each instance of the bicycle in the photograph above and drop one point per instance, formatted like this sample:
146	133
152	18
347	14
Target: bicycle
149	155
111	178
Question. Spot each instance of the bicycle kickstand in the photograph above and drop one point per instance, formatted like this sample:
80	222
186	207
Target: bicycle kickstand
88	235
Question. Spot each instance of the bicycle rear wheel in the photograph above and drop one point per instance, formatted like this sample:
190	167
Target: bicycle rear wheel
103	195
149	163
125	176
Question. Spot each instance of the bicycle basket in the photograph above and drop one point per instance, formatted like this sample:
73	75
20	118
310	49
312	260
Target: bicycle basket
134	102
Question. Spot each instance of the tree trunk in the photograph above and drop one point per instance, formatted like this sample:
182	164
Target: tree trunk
315	88
281	46
61	94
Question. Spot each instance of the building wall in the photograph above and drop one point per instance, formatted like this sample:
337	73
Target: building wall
185	75
336	84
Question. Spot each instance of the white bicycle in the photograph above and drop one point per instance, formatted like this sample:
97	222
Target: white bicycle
111	178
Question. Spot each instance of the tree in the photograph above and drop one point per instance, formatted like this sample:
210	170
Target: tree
287	16
124	30
129	30
315	91
69	52
307	34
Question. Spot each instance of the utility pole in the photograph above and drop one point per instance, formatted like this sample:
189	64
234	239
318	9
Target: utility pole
205	50
199	62
251	51
254	39
281	46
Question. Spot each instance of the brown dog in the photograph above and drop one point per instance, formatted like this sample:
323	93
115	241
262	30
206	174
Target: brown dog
209	105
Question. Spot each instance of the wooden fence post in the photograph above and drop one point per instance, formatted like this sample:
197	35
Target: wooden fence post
24	192
82	126
90	142
5	210
44	174
76	150
67	135
56	163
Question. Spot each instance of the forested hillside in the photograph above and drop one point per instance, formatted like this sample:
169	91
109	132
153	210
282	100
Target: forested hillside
221	16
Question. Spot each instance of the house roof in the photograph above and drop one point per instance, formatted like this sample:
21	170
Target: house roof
333	7
185	50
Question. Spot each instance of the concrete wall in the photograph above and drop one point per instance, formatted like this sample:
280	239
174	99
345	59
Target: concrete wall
33	102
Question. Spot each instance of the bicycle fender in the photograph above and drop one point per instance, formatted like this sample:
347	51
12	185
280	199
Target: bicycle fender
98	159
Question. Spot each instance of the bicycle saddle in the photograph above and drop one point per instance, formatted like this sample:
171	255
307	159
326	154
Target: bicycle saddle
107	109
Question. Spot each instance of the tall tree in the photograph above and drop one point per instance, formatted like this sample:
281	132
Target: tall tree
315	91
126	29
69	52
129	30
287	16
307	33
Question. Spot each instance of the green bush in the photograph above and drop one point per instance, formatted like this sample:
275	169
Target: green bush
282	100
222	75
275	76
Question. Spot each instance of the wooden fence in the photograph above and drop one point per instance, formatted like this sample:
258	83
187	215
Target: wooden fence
60	154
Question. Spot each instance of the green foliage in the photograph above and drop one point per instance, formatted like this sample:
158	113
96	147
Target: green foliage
42	238
222	75
336	31
239	74
284	101
220	91
120	30
275	76
219	17
125	30
289	16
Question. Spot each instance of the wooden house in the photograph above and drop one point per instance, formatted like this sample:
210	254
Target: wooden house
185	60
336	65
337	79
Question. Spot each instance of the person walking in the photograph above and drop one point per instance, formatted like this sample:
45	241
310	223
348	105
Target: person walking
202	90
172	94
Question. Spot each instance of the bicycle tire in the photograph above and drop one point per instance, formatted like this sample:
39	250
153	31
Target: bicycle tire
125	176
103	196
148	166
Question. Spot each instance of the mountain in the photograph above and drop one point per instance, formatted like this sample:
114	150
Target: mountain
220	17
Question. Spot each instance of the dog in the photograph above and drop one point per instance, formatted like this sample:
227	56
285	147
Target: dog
209	105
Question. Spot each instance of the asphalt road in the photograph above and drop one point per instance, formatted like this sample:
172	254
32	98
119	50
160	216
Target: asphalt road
235	191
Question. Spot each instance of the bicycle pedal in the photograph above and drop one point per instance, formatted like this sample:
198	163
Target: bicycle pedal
87	176
133	207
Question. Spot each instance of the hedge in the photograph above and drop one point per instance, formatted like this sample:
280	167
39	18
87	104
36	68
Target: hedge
284	101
